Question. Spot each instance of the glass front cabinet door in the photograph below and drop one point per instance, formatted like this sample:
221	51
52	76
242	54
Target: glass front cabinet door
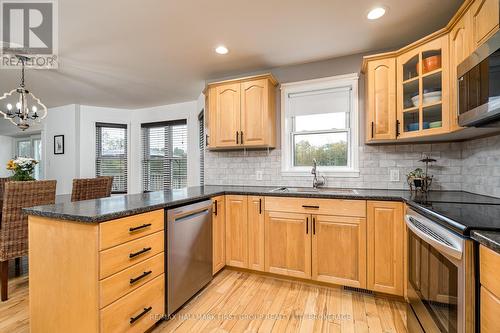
423	90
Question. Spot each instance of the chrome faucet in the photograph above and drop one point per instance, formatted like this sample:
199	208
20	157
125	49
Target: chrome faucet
317	182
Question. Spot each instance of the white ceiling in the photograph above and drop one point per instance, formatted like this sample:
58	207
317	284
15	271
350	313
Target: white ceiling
131	54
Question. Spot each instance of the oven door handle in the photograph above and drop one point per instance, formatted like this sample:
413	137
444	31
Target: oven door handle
433	241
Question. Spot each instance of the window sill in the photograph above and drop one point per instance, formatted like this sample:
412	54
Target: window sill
329	174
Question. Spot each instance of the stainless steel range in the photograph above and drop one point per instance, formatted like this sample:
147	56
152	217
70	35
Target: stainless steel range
441	281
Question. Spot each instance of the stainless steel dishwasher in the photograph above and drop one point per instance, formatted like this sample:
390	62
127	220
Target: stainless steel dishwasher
189	252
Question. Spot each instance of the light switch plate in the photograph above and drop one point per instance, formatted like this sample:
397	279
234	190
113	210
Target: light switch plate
394	175
258	174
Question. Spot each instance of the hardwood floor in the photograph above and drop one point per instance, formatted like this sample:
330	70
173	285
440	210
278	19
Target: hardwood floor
245	302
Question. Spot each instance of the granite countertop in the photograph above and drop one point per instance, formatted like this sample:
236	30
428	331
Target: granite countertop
490	239
100	210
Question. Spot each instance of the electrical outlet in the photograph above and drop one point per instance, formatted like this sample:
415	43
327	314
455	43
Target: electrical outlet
394	174
258	174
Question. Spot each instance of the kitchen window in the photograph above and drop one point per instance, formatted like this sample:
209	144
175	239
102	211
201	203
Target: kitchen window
111	154
31	146
321	122
164	164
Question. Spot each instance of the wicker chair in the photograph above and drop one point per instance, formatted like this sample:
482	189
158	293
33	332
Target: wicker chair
2	187
91	188
14	228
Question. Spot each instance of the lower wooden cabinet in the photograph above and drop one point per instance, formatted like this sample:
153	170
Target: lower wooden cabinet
489	265
339	250
218	234
237	231
256	233
288	244
490	310
385	247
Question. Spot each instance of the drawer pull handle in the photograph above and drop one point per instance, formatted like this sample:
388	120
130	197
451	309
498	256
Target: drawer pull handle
309	206
139	227
144	250
140	277
136	318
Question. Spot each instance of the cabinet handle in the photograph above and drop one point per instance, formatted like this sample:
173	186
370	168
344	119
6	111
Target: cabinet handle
241	137
237	137
397	128
307	225
372	128
136	318
215	210
260	205
309	206
139	227
140	277
206	140
135	254
314	226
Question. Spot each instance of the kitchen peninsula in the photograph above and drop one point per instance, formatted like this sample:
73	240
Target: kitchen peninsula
99	265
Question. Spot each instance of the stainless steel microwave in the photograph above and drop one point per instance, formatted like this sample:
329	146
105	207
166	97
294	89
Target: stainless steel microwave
479	86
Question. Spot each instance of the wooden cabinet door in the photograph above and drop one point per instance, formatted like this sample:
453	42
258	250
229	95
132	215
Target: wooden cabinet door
385	233
339	250
484	20
288	244
490	310
381	100
227	115
254	112
218	234
256	233
236	231
460	48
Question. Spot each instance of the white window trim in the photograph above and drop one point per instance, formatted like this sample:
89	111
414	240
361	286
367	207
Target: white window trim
348	80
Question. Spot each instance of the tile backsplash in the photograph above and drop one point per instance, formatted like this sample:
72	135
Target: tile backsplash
240	167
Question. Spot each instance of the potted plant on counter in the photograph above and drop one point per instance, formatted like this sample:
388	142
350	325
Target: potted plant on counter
22	168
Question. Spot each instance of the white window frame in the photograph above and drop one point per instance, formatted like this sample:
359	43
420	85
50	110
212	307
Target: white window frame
340	81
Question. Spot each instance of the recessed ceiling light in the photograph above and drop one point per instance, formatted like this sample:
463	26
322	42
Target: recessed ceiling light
376	13
221	49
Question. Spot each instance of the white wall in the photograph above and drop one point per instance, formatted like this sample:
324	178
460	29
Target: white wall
77	124
6	153
63	168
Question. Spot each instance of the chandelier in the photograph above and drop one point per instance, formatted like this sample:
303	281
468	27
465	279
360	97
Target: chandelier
20	106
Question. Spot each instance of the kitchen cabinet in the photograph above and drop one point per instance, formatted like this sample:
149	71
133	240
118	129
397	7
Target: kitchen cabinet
120	277
489	265
288	244
256	233
339	250
485	20
460	48
236	230
242	113
423	90
381	100
218	234
385	247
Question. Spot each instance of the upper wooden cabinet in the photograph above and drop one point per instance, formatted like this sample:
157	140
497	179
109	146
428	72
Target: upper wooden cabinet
422	98
411	93
381	99
242	113
485	18
385	243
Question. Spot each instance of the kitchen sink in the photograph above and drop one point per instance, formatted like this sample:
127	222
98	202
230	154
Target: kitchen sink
324	190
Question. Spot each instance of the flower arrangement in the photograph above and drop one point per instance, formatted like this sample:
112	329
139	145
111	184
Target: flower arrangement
23	168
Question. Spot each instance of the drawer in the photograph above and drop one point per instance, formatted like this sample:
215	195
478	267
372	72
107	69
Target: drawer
489	263
119	231
490	309
124	315
122	256
119	284
338	207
